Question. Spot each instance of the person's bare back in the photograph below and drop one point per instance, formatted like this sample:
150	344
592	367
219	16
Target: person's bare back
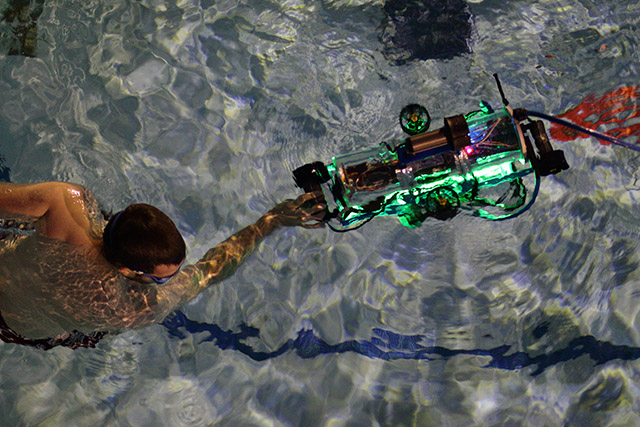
58	279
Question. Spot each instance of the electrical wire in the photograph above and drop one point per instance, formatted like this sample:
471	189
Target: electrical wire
525	208
490	132
596	134
344	230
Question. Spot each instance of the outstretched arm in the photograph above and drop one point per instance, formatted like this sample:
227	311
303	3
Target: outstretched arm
61	208
222	260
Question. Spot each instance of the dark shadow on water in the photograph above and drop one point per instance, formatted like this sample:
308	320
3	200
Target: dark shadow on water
4	171
388	345
421	30
21	16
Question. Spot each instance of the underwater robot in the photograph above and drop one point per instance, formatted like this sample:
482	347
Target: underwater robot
486	163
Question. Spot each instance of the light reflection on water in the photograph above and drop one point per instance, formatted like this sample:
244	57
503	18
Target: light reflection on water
203	109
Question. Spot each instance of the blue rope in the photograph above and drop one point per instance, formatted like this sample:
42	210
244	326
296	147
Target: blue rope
389	345
591	132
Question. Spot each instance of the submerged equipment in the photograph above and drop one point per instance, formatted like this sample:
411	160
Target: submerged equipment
481	163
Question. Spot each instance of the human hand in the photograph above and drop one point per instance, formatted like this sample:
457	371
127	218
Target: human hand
307	211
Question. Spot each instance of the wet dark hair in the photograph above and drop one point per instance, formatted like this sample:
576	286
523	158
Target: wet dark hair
142	237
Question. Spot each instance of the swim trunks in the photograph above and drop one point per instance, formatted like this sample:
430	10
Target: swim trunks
72	340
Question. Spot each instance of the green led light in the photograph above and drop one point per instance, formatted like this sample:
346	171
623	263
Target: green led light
403	202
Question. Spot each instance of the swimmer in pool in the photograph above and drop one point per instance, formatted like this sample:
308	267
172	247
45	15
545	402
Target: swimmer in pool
78	276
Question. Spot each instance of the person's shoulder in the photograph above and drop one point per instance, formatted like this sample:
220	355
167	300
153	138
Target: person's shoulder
85	212
55	190
72	189
90	207
76	192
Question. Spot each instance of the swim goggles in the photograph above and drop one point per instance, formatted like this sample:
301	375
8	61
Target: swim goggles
156	279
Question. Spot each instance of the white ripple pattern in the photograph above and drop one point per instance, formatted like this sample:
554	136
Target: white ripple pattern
204	107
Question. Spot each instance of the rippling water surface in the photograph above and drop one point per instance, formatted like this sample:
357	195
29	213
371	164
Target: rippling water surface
204	108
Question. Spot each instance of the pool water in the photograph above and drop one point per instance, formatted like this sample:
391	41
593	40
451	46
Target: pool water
203	108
